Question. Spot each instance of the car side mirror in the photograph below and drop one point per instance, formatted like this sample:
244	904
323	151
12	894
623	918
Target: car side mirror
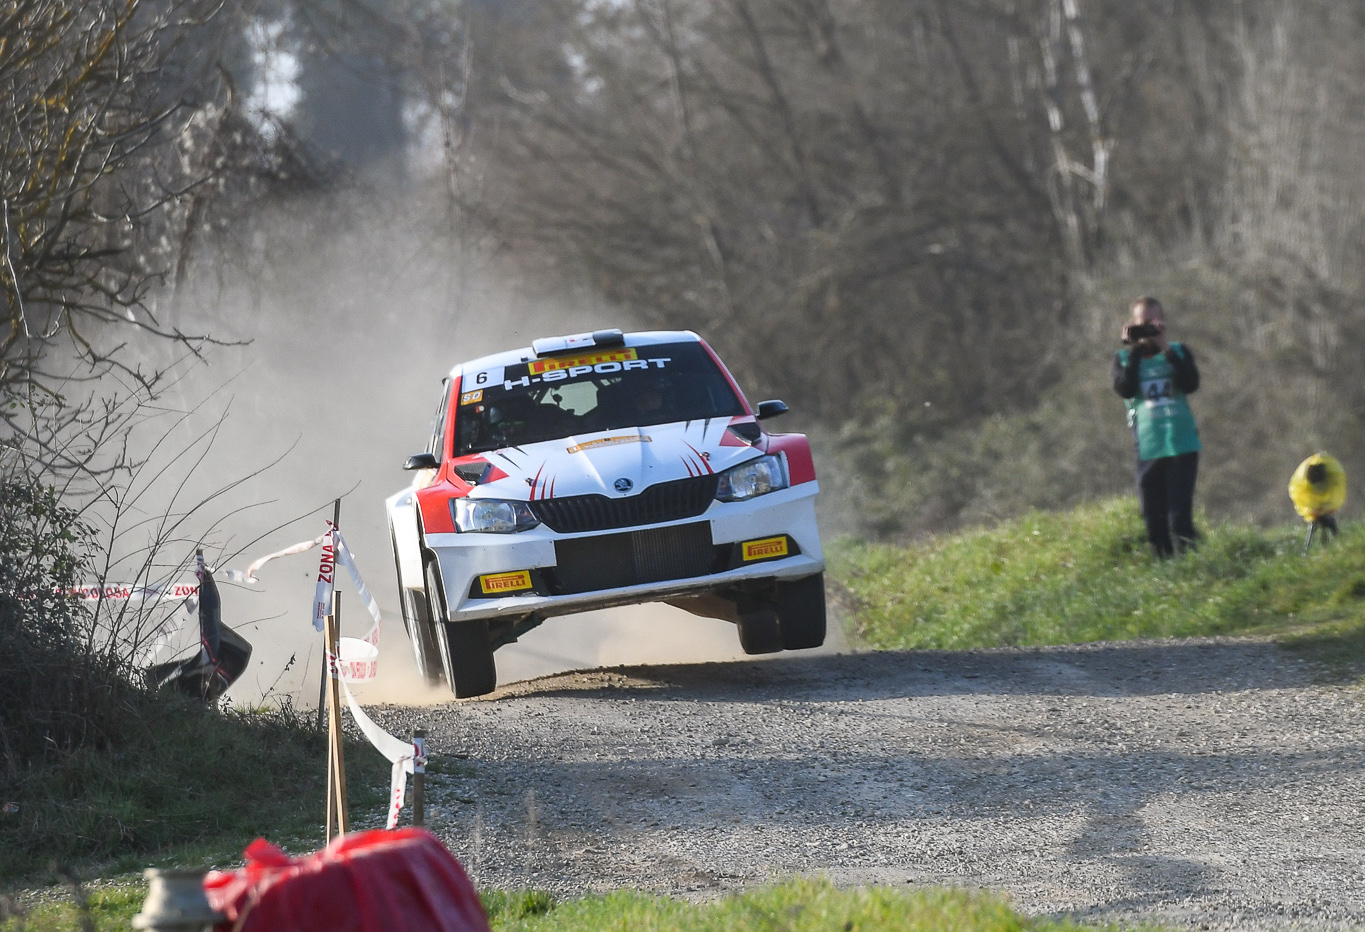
767	409
421	461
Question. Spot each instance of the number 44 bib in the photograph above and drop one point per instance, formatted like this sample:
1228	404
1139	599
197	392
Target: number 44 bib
1160	416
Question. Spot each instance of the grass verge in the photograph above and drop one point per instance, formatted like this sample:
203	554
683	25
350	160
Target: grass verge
1087	575
794	906
183	783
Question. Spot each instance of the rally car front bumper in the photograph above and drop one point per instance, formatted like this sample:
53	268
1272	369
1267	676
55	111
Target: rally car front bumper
544	573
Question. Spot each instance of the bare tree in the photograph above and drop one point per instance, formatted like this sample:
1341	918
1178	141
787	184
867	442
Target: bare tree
101	104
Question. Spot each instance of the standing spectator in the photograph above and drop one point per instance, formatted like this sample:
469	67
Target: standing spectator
1153	376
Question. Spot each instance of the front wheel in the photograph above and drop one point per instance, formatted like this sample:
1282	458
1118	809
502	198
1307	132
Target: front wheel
417	622
759	632
465	646
801	612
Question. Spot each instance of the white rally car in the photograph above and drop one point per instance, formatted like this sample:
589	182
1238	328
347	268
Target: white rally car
596	470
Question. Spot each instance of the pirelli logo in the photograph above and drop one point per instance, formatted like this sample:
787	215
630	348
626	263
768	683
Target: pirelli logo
540	366
498	583
765	549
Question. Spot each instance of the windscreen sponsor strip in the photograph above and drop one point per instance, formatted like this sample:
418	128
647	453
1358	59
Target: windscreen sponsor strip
541	366
608	442
560	373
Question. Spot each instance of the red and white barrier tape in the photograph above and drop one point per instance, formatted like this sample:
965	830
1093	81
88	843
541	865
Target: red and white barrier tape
406	756
161	636
248	577
359	656
359	663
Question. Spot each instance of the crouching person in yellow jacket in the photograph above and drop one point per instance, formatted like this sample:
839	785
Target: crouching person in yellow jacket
1153	376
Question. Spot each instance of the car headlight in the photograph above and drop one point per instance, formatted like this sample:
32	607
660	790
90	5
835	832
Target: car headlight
756	477
491	516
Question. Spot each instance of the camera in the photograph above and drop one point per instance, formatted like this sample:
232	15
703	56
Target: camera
1138	332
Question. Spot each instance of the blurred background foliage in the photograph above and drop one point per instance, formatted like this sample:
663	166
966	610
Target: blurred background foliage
920	224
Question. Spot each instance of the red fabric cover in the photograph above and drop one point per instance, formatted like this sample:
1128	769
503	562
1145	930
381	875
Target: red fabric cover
362	882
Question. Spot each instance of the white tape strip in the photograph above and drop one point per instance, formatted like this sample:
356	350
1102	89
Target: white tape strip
127	592
359	661
115	592
343	555
248	577
160	637
402	754
359	656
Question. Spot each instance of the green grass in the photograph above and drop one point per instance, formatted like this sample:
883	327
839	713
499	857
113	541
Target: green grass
794	906
1087	575
181	785
106	910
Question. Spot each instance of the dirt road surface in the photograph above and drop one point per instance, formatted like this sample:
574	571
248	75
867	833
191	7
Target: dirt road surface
1212	784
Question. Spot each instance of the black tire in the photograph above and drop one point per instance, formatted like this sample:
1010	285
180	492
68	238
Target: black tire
801	612
465	646
759	632
422	634
417	623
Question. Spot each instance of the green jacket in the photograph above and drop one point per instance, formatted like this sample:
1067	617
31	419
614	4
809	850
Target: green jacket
1154	389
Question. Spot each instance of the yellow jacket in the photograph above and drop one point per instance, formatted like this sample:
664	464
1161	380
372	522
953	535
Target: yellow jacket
1318	487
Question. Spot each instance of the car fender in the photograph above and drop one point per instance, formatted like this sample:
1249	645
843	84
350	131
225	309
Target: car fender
796	447
402	510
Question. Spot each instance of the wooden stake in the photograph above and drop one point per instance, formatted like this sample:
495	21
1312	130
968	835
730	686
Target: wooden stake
328	628
337	783
419	777
338	815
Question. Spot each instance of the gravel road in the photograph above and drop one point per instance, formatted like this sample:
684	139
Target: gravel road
1210	784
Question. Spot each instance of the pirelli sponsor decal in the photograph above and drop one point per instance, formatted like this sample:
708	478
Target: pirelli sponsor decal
609	442
498	583
766	549
540	366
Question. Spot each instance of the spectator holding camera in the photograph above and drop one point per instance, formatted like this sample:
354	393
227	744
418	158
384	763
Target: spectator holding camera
1153	376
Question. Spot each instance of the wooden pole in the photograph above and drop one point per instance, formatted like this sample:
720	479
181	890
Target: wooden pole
337	758
328	628
337	816
419	742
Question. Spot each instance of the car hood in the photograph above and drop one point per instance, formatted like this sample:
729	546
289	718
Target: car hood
614	463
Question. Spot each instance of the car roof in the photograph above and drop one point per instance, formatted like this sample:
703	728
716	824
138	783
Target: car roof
526	354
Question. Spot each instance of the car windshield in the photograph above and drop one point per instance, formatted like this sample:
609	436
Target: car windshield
561	396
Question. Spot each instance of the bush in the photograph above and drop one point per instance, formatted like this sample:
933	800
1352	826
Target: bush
95	766
57	692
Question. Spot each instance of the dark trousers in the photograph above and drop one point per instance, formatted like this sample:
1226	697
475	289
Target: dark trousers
1166	491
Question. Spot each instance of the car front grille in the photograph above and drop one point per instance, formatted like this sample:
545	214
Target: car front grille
666	501
610	561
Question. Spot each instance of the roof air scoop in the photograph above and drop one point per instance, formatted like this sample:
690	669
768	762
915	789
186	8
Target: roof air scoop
577	342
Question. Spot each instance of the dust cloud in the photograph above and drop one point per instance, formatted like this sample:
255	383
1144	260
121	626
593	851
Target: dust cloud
353	317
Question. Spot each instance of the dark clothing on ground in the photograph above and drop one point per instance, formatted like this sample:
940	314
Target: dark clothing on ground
1166	491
